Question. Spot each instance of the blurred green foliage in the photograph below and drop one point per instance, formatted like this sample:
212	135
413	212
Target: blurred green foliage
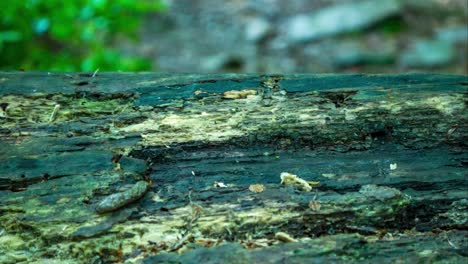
71	35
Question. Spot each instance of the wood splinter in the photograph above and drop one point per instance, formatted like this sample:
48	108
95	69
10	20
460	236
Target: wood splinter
54	113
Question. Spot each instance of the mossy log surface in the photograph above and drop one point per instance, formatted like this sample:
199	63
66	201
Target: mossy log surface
380	162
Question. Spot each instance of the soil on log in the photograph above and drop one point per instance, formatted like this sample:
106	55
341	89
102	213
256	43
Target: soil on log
179	168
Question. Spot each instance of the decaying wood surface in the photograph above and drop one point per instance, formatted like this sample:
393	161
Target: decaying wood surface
179	168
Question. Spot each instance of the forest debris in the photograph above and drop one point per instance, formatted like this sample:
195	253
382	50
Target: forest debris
315	205
234	94
95	72
219	185
118	200
313	182
284	237
54	113
257	188
177	245
292	179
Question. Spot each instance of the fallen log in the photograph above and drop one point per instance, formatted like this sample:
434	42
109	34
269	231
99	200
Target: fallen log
246	168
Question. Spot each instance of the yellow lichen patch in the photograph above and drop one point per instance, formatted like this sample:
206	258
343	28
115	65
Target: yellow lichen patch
234	94
447	104
212	119
220	120
215	223
147	125
294	180
188	127
161	229
40	108
257	188
11	242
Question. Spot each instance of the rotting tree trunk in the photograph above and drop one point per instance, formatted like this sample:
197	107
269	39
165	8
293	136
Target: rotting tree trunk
385	156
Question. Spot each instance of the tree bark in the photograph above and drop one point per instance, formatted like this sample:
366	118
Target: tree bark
375	167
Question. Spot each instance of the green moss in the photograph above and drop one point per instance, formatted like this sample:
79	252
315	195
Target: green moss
39	108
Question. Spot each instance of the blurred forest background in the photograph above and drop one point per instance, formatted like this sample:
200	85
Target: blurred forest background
208	36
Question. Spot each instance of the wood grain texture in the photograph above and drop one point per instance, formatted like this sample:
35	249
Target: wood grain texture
385	156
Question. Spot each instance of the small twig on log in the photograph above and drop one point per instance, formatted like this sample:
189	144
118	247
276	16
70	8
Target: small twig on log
54	113
95	72
181	242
